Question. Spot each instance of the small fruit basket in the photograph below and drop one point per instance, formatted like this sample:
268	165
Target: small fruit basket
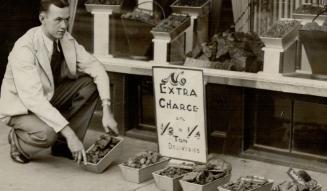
248	183
171	26
282	34
168	179
194	7
301	181
140	168
102	5
207	177
103	152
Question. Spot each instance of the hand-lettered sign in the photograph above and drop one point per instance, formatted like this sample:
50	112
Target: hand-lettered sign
180	113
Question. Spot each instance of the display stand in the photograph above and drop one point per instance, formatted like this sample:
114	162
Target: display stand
197	14
101	27
304	19
160	45
280	53
280	60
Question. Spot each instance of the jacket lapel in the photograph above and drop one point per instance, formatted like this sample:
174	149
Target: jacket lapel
43	56
68	47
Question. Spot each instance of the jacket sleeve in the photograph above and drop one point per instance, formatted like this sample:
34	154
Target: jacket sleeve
30	90
88	64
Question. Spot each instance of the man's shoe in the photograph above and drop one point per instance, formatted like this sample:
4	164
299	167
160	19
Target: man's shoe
15	155
61	150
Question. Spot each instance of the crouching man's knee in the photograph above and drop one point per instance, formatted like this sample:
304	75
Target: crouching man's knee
44	138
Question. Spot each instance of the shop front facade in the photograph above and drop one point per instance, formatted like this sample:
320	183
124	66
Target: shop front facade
275	117
279	117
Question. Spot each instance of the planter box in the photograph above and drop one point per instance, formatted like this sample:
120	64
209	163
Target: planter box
199	11
211	186
308	17
101	7
266	187
140	175
315	45
174	33
112	155
166	183
139	39
284	42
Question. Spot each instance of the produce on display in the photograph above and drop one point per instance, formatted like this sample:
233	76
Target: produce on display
101	147
143	159
281	28
191	3
301	181
309	9
142	15
246	183
104	2
171	23
204	174
236	51
174	172
314	26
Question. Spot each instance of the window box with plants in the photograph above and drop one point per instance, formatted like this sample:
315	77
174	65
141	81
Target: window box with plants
192	7
307	12
282	34
172	26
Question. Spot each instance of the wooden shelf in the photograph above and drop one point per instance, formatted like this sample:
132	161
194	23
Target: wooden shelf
250	80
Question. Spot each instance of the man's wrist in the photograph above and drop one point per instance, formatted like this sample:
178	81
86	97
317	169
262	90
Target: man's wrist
106	103
67	132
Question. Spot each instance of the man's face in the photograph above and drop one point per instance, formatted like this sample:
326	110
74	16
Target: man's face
55	21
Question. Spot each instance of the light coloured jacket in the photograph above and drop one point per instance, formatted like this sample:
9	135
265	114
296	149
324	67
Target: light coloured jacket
28	82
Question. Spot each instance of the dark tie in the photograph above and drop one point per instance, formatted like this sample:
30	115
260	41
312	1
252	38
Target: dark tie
56	61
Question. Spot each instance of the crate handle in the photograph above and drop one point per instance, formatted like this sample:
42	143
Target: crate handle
320	13
157	4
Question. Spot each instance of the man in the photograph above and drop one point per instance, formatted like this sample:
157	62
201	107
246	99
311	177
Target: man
48	93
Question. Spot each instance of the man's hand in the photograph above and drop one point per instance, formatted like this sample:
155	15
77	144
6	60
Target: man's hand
108	120
74	145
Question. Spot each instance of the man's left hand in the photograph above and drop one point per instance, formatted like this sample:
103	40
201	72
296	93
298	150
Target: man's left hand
108	121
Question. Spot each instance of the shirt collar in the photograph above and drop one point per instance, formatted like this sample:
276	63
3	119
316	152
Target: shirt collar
48	43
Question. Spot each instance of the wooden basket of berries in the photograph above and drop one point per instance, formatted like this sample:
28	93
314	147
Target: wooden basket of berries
248	183
168	178
140	168
103	152
301	181
208	176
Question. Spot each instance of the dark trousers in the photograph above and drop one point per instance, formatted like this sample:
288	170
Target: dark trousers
76	101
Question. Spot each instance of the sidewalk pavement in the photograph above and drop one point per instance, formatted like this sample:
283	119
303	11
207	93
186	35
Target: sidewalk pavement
50	173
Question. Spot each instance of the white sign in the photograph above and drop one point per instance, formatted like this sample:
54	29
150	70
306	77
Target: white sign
179	100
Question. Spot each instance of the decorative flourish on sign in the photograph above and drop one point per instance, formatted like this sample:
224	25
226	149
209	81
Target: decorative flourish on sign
174	79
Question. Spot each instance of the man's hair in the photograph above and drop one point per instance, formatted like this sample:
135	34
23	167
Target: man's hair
45	4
